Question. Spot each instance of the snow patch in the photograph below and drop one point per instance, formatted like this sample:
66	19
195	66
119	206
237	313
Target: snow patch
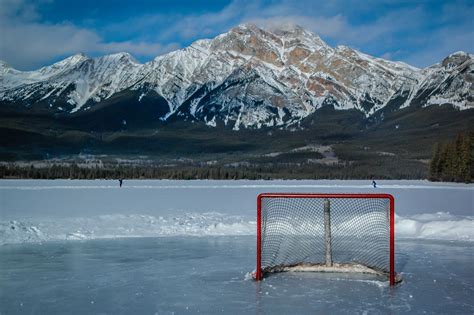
437	100
119	226
439	226
212	122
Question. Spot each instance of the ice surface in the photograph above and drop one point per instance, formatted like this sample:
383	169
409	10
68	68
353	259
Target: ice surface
207	275
187	246
66	198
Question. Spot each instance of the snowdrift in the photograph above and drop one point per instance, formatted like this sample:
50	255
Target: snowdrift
437	226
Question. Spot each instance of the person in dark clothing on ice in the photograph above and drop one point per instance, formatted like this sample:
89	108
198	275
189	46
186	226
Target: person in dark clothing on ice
120	181
374	184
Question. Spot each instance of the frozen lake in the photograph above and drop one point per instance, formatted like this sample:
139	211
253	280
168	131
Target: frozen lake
187	247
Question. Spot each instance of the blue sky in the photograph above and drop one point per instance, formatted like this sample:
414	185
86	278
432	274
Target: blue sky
37	33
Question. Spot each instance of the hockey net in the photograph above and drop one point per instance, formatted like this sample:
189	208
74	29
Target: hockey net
325	232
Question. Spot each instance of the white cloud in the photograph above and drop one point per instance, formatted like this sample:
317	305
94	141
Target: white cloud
19	9
338	28
443	43
187	27
26	43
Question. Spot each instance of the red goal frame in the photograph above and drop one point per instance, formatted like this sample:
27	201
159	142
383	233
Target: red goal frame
259	274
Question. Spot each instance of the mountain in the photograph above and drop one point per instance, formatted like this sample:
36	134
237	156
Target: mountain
247	78
249	103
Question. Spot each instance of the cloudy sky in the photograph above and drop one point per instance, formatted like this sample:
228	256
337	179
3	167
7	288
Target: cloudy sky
37	33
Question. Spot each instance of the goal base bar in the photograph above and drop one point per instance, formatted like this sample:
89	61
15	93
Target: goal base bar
335	268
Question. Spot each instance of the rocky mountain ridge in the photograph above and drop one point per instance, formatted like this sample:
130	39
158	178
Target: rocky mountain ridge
246	78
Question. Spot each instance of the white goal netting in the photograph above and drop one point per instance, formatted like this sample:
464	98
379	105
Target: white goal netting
325	234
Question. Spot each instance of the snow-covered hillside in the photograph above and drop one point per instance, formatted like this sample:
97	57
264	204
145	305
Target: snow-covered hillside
245	78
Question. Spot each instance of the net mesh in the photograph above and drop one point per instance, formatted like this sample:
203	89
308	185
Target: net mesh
293	232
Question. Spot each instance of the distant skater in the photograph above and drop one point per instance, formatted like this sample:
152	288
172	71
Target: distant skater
374	184
120	181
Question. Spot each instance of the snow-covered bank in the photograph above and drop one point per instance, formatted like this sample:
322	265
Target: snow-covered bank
438	226
119	226
58	210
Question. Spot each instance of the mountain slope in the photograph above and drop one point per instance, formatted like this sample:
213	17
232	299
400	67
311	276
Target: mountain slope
245	78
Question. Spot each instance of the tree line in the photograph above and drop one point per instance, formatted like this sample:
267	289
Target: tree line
453	161
381	168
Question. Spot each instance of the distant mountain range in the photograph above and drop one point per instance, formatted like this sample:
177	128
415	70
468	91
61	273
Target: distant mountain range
247	78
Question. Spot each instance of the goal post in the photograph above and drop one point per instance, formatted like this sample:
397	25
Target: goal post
326	232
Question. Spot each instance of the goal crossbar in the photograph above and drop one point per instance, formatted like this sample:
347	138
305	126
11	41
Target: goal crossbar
326	265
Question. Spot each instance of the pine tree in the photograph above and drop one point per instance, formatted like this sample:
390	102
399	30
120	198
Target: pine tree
471	154
451	162
435	163
443	161
458	167
463	148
